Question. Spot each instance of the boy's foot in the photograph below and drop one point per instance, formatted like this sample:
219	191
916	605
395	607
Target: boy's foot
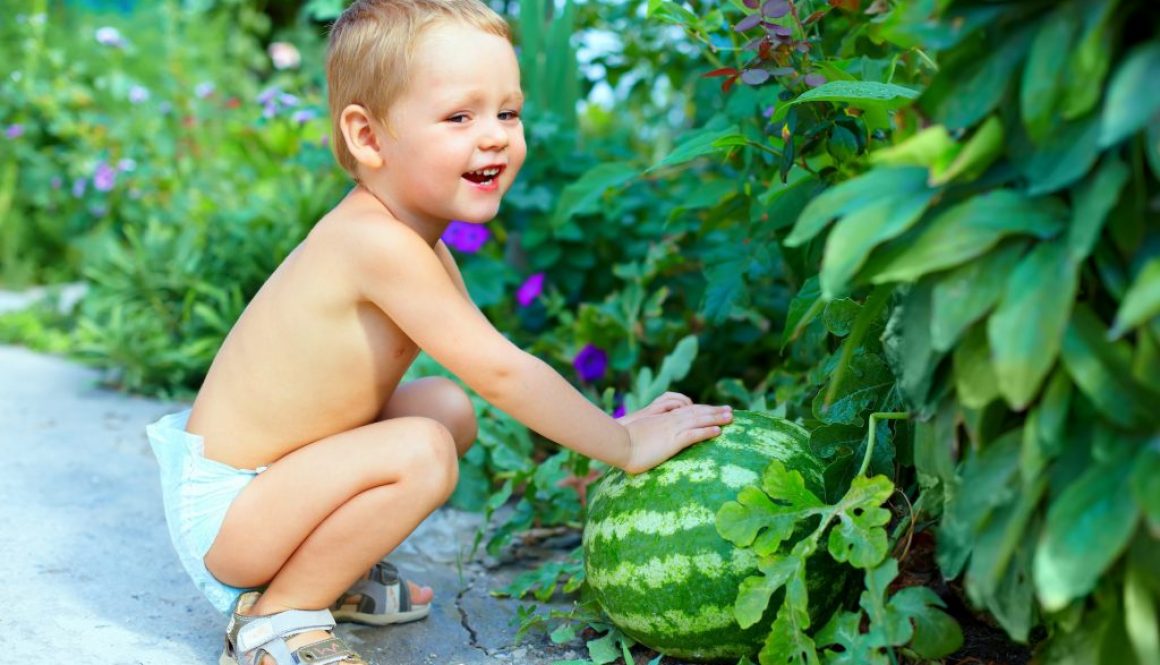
383	597
290	637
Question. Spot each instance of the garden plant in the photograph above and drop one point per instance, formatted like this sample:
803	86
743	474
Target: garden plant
924	232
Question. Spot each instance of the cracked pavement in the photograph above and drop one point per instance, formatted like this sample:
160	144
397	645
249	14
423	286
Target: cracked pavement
88	574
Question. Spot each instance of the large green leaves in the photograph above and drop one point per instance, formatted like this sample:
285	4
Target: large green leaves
853	195
963	295
1043	75
586	194
1142	301
1026	330
1088	526
1102	371
1093	199
1133	96
964	232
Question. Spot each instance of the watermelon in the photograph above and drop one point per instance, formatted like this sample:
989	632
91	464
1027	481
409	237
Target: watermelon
655	562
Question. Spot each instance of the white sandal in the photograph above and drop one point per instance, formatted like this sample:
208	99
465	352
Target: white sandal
250	637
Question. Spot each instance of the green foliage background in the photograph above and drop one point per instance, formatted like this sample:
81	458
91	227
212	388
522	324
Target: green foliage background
940	208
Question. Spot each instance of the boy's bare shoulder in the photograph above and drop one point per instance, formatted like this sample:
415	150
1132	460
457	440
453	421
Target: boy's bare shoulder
363	233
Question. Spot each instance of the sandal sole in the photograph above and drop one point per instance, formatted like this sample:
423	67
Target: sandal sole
420	612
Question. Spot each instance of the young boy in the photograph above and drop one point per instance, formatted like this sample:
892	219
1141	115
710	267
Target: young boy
303	462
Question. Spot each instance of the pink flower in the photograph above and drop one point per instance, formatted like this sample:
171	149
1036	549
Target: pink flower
104	178
284	55
530	289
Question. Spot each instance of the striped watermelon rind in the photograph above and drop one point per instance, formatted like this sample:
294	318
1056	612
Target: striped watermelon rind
654	559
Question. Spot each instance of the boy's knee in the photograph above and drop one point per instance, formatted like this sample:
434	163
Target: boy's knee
436	455
455	411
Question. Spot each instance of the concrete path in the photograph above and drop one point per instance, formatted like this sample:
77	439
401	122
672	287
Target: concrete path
88	576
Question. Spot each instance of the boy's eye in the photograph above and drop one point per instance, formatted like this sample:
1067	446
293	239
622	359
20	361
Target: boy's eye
458	117
509	115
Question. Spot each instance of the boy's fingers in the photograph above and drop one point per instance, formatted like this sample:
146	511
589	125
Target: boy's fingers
691	436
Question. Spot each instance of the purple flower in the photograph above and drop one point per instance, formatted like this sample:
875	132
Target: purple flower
78	187
14	131
267	96
465	237
591	363
109	36
619	411
304	116
127	164
138	94
286	99
530	289
203	90
104	178
814	80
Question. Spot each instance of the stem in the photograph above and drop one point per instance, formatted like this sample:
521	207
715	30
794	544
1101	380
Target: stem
870	309
874	418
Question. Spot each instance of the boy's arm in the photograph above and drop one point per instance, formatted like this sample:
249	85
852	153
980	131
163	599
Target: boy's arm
406	278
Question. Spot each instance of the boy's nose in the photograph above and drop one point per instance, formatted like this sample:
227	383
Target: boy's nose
493	137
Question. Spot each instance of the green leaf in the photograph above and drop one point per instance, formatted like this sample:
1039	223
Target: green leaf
993	553
984	147
839	316
585	195
756	520
1043	76
806	305
698	144
674	367
1140	618
726	287
1090	60
962	96
986	483
860	537
787	642
1133	96
906	345
1065	157
866	381
929	148
852	195
1098	508
1146	483
754	592
859	94
858	648
1141	302
860	231
1026	330
975	381
603	650
1103	372
936	634
1044	433
1092	200
963	295
889	626
964	232
934	446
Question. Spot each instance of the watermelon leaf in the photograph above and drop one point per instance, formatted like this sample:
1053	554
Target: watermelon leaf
755	591
787	641
860	537
742	522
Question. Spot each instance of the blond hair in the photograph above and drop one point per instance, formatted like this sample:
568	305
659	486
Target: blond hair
368	59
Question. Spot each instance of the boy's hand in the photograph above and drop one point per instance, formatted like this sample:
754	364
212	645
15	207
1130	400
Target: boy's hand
663	404
656	437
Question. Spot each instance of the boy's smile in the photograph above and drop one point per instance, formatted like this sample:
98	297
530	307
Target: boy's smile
454	141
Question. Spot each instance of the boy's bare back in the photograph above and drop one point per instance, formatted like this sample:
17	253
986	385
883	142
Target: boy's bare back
311	355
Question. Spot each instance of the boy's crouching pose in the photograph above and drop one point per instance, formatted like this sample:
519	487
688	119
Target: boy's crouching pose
303	462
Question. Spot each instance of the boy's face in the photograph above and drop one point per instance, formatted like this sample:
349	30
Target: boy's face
455	140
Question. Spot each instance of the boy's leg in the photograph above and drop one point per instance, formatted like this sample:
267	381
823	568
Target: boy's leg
440	399
321	516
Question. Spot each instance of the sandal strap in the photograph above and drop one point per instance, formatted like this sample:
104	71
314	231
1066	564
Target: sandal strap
251	633
376	591
325	652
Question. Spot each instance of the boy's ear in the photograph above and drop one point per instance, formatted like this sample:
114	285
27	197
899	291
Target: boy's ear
359	130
